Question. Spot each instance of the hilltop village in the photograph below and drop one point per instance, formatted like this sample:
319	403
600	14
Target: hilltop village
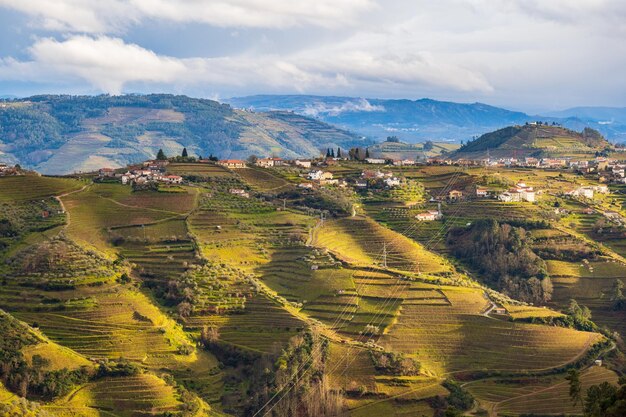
377	175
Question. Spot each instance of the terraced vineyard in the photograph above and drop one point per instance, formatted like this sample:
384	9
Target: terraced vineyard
210	302
539	395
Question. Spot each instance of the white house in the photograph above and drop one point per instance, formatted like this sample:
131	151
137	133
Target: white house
302	163
374	160
392	182
239	192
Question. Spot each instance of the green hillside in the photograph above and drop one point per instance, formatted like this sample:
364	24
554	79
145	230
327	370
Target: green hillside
64	134
192	300
534	140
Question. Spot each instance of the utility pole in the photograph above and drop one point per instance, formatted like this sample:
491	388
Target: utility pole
384	254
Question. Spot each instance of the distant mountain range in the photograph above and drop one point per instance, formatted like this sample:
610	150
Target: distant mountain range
425	119
64	134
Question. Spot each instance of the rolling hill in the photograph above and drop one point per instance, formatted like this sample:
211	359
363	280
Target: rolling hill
64	134
534	140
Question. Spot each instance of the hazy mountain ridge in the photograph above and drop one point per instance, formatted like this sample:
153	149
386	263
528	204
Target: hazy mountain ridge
62	134
426	119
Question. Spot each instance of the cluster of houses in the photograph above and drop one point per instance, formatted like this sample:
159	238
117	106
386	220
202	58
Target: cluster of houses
6	170
395	162
521	192
148	172
587	191
367	179
368	176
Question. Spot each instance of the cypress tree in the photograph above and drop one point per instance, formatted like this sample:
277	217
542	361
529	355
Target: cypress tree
367	152
338	152
184	154
161	155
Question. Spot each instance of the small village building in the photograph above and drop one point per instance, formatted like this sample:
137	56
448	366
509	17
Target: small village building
429	216
302	163
320	175
232	163
455	195
392	182
239	192
264	162
379	161
509	197
172	179
360	184
306	185
500	310
106	172
481	192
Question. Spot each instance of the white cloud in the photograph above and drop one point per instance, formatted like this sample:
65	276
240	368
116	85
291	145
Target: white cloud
108	64
112	16
530	53
357	105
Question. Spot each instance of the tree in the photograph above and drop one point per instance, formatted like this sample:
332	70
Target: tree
600	398
617	292
185	309
185	154
332	153
617	295
548	289
161	155
367	152
338	152
327	152
252	159
209	334
428	145
575	386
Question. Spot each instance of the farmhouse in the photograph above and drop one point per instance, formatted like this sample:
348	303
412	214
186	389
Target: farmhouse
455	195
172	179
481	192
239	192
526	193
232	163
269	162
500	310
392	182
106	172
264	162
360	184
429	216
374	160
306	185
302	163
320	175
586	192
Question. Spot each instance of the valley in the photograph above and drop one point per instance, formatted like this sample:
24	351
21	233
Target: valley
258	291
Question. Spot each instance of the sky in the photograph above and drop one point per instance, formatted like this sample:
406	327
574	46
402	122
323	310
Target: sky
531	55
